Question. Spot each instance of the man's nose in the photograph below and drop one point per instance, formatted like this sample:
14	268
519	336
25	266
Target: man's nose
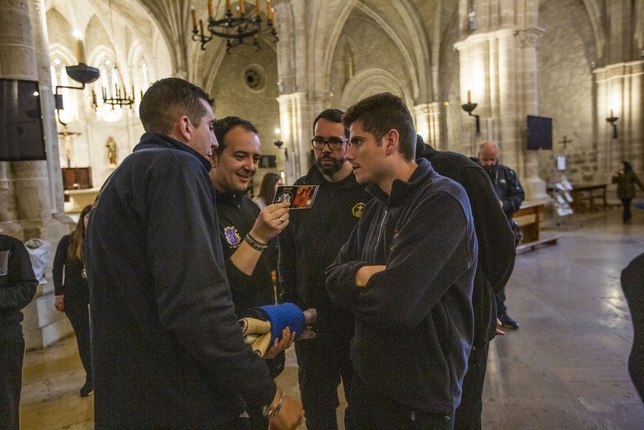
349	155
250	165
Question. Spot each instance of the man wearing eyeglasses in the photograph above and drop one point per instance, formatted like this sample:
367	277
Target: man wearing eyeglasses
308	245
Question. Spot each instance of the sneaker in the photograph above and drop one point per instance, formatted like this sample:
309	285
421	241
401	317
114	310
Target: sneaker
508	322
87	388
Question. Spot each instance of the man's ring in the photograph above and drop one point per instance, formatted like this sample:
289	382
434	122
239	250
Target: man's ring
281	220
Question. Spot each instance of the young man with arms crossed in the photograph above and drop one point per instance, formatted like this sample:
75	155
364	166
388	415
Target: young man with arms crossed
406	275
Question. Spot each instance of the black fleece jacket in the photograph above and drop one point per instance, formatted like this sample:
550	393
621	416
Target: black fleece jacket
413	320
166	345
17	280
495	237
311	242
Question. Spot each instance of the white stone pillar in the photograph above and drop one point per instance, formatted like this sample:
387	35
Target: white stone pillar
428	123
293	121
620	89
498	72
533	185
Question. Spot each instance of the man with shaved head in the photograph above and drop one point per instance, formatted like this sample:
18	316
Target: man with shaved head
508	190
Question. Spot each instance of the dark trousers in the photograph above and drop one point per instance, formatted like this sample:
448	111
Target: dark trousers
237	424
468	413
77	310
12	353
323	362
373	411
626	215
501	310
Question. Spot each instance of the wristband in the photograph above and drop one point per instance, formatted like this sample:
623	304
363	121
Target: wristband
255	244
270	413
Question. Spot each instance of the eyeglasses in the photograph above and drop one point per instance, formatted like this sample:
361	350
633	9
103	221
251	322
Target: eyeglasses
333	142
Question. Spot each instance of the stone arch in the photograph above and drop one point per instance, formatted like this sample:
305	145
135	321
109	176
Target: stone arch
594	10
59	50
415	59
373	81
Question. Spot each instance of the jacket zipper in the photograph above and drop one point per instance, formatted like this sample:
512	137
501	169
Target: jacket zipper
380	232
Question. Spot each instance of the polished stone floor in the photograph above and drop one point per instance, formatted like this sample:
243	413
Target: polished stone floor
564	368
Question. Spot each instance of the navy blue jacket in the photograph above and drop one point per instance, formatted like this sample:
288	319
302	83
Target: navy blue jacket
167	350
413	320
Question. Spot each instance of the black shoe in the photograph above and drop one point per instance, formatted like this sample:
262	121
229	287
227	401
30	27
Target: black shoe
508	322
87	388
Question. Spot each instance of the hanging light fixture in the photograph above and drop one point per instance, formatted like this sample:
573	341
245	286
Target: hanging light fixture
236	26
81	73
117	98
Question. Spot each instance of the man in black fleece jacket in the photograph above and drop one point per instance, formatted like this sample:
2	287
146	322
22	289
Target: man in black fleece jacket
167	349
495	264
406	275
307	246
17	287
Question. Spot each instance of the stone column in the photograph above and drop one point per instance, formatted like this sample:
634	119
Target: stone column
498	71
297	112
24	185
620	89
534	186
428	116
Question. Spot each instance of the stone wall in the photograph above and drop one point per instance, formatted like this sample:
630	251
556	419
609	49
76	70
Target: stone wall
255	101
372	49
565	89
460	127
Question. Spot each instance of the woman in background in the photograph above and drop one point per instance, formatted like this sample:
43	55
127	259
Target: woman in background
72	291
626	180
267	189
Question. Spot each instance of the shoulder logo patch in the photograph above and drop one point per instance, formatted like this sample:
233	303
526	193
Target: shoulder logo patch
356	211
232	236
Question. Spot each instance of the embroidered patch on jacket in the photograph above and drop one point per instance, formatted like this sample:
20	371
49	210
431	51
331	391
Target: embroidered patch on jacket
232	236
356	211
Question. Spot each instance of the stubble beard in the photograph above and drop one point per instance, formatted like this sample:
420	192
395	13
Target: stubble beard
333	168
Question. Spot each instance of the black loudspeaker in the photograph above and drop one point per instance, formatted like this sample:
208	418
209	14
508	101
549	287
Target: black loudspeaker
21	129
539	132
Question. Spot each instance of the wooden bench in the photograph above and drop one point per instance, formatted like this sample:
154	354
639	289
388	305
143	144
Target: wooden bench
591	197
529	219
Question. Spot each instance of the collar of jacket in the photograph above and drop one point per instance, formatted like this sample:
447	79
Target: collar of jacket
424	150
401	189
151	140
314	176
230	198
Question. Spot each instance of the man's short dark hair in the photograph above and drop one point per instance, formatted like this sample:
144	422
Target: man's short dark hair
223	126
167	100
380	113
331	115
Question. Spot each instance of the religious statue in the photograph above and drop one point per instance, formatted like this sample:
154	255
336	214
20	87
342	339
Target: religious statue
111	150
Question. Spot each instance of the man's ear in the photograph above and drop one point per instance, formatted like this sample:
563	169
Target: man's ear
214	160
392	140
182	129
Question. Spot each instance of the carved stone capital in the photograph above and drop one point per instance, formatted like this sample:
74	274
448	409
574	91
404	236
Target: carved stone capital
530	37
